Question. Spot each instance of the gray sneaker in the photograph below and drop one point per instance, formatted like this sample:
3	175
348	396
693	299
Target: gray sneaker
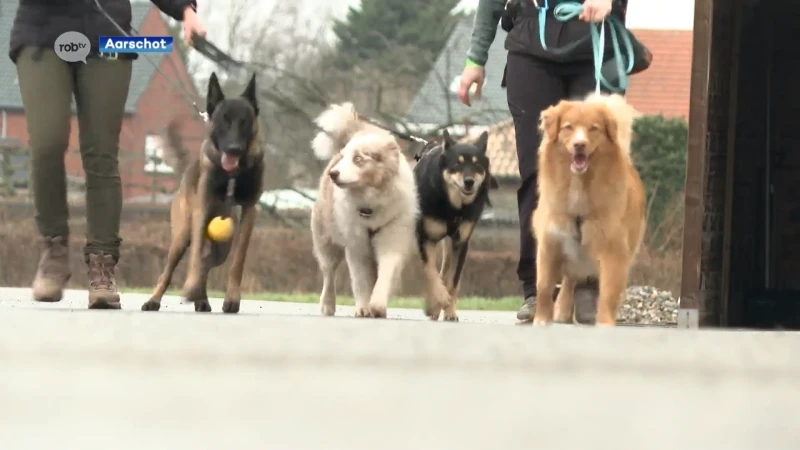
586	302
528	308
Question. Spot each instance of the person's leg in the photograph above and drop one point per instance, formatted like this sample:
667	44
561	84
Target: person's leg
532	86
101	91
46	84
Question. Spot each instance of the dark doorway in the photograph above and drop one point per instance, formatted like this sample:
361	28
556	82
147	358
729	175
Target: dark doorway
761	283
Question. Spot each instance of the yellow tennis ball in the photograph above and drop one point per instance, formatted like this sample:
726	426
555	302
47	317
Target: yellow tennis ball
220	229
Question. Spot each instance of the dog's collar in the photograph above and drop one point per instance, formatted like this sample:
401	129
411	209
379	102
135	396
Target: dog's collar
365	212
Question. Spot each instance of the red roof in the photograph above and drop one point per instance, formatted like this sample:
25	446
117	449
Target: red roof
664	87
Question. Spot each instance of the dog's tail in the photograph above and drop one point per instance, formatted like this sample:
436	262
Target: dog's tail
622	111
175	154
337	126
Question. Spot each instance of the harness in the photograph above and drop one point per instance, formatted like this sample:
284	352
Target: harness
578	223
367	213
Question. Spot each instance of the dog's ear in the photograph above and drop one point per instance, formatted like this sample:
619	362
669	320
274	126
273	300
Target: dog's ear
447	140
214	96
483	141
610	122
550	121
250	94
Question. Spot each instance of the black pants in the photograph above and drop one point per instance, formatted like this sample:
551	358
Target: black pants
532	86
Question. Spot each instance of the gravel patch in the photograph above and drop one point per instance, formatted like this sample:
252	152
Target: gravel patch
648	305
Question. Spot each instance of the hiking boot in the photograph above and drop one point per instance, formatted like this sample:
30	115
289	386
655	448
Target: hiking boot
528	308
53	272
103	292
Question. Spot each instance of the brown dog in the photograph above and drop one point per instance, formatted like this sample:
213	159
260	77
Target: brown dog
232	151
591	214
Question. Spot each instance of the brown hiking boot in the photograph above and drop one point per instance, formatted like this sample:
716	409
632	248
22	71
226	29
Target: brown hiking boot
53	273
103	292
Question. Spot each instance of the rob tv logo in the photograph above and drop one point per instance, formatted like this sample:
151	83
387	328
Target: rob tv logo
135	44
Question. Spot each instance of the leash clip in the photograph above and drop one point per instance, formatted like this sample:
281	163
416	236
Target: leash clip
202	114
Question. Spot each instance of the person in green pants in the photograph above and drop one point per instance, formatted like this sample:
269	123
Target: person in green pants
100	88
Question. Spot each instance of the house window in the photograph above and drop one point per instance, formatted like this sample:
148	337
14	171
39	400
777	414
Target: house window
154	155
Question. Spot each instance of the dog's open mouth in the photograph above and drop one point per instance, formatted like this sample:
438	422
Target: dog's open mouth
467	191
229	162
580	162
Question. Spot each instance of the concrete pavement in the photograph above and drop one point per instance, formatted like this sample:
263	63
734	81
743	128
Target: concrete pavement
276	376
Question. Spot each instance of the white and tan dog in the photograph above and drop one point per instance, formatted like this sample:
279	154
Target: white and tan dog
365	212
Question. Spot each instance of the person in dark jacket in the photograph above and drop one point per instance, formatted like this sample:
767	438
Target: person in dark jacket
536	78
100	88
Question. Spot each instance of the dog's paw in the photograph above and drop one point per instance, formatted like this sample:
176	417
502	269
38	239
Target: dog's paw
231	305
377	311
363	311
194	292
202	305
441	296
151	305
450	317
327	310
432	312
541	322
563	317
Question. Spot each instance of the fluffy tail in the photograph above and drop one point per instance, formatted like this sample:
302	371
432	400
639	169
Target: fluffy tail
623	112
337	126
175	154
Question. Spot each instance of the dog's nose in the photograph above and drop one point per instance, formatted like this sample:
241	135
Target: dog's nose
469	183
334	174
579	146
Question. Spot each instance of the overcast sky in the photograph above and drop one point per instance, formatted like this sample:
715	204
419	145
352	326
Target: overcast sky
648	14
652	14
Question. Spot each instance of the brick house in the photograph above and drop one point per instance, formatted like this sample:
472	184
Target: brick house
152	102
662	89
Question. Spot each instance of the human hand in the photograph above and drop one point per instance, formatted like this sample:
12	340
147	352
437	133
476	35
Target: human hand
595	10
472	75
192	25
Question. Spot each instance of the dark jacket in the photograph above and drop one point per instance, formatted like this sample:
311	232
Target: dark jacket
40	22
524	36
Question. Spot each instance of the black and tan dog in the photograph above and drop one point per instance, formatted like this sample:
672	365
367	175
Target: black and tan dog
232	150
453	181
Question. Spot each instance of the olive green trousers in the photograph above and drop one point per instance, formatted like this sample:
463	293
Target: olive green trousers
100	89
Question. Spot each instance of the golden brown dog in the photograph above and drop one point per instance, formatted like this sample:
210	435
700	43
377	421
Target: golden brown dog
232	151
591	214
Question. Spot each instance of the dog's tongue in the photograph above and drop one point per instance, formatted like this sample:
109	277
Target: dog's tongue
579	160
229	163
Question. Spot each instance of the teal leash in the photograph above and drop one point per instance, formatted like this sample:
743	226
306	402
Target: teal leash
570	10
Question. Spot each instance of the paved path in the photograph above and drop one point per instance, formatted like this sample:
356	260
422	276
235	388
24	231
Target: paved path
278	377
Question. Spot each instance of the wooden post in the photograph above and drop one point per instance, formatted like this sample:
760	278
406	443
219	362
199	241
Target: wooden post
689	301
